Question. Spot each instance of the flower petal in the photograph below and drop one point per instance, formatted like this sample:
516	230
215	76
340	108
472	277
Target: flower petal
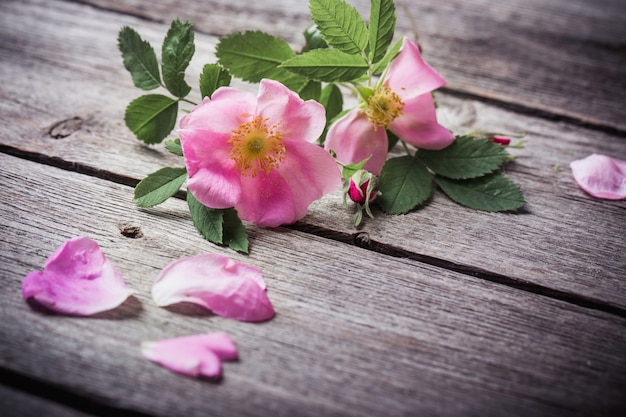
418	125
196	355
409	75
227	288
225	111
284	195
601	176
353	138
212	177
77	279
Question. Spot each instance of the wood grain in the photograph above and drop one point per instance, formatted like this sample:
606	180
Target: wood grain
564	57
355	333
564	241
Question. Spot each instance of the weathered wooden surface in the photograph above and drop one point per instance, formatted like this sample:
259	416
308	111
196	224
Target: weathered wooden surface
350	327
445	311
562	256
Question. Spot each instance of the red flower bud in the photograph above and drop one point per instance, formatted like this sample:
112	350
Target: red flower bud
501	140
359	184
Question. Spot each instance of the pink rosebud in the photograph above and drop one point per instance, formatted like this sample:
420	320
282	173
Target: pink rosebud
601	176
77	279
227	288
501	140
363	187
196	355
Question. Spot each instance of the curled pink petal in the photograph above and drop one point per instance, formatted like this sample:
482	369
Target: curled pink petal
353	138
601	176
418	125
77	279
227	288
196	355
409	75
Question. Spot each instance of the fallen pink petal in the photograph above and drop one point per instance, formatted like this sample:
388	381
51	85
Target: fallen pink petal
77	279
196	355
227	288
601	176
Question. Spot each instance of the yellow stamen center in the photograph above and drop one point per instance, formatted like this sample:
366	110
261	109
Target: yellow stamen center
383	107
256	147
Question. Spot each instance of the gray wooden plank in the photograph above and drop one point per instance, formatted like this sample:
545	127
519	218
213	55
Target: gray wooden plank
356	332
560	56
565	241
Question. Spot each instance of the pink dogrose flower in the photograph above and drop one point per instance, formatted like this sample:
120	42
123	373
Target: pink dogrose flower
402	103
227	288
601	176
257	153
195	355
77	279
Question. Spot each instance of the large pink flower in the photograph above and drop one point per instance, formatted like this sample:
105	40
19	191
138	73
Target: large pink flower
257	153
401	103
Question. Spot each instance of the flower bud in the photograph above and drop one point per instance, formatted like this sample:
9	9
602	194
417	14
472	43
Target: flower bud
363	186
501	140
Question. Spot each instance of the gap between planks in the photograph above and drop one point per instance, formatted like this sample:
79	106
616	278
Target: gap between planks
359	239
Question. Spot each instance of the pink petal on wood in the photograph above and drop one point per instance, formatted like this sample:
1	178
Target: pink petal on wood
196	355
77	279
601	176
227	288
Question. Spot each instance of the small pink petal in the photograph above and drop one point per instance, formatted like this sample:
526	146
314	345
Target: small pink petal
196	355
77	279
409	75
601	176
353	138
227	288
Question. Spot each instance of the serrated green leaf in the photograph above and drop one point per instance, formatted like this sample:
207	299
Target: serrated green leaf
176	53
213	77
255	55
465	158
327	65
349	170
151	117
174	146
389	56
208	222
493	192
159	186
382	27
313	39
404	184
234	233
341	25
139	59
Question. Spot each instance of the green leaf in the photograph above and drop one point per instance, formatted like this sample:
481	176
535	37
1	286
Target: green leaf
177	51
139	59
255	55
465	158
234	233
340	24
332	100
327	65
391	54
174	146
392	140
404	184
313	39
213	77
159	186
209	222
382	27
350	169
493	192
310	91
151	117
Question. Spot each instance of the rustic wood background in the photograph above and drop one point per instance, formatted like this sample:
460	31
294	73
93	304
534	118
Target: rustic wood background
444	311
